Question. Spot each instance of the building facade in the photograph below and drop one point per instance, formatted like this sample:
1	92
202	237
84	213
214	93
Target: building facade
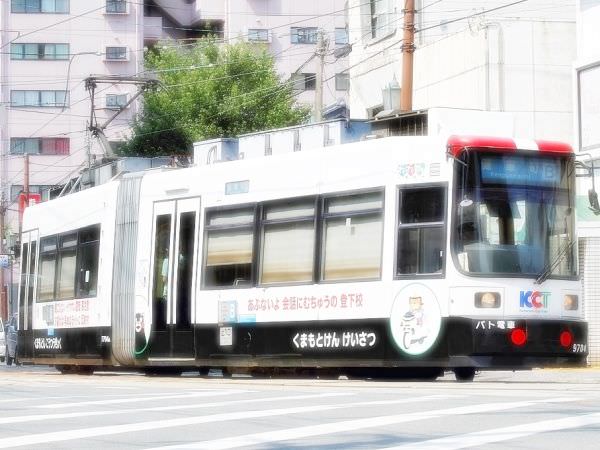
49	48
474	55
587	142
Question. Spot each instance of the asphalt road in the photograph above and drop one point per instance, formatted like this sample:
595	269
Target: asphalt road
541	409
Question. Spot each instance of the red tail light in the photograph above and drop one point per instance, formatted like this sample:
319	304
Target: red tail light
566	339
518	337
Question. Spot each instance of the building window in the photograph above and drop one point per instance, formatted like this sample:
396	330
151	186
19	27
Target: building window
229	243
352	236
43	189
305	35
258	35
38	98
588	107
40	6
288	242
39	51
116	53
116	6
421	226
116	101
304	81
342	81
382	18
341	36
39	146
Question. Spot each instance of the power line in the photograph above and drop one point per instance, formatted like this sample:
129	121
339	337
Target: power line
471	15
52	25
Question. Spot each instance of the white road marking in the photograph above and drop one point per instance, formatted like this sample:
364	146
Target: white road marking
352	425
63	397
38	417
215	393
501	434
85	433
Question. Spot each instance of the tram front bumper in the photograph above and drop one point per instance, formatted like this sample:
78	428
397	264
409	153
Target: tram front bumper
515	344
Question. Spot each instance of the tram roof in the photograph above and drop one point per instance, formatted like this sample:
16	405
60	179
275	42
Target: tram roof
458	144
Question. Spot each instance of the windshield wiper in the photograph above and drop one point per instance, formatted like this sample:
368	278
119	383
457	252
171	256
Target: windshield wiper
548	268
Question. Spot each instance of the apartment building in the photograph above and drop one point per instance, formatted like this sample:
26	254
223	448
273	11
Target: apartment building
49	48
289	29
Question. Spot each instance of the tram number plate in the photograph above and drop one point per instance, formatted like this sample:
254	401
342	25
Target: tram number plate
225	336
579	348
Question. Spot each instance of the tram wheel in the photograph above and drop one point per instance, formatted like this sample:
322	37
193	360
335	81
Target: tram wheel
84	370
75	370
464	374
162	371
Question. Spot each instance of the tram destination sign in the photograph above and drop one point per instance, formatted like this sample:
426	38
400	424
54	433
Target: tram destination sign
520	170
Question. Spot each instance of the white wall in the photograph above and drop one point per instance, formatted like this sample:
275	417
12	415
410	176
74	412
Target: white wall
489	62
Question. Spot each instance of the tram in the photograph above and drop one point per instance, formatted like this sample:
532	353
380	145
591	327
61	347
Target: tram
381	256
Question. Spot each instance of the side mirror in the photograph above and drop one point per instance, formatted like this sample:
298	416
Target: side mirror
593	199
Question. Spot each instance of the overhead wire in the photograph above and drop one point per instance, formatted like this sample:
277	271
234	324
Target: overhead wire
379	51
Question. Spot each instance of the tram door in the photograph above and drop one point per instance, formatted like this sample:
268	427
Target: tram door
27	291
175	246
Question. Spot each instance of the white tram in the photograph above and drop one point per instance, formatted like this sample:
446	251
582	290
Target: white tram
374	257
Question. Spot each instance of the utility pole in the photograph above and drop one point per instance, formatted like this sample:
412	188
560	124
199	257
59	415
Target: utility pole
320	52
91	84
408	49
26	180
3	296
25	192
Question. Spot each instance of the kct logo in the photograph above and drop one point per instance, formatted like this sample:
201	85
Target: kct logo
535	300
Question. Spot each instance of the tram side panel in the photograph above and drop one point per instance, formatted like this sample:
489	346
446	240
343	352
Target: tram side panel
68	298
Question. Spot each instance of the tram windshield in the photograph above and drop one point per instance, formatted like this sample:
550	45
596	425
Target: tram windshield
514	215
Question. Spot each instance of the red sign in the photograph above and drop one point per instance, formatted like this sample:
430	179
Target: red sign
23	203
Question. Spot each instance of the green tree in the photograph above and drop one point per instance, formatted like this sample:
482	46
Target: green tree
210	90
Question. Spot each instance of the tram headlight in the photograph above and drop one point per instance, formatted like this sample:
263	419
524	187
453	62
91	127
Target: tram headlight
570	302
487	300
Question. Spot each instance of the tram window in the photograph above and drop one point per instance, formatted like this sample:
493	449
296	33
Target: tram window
421	231
47	268
229	243
288	242
352	236
87	261
161	270
67	256
161	257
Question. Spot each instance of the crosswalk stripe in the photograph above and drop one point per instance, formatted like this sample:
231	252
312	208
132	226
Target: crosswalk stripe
63	397
352	425
478	438
136	399
85	433
56	416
